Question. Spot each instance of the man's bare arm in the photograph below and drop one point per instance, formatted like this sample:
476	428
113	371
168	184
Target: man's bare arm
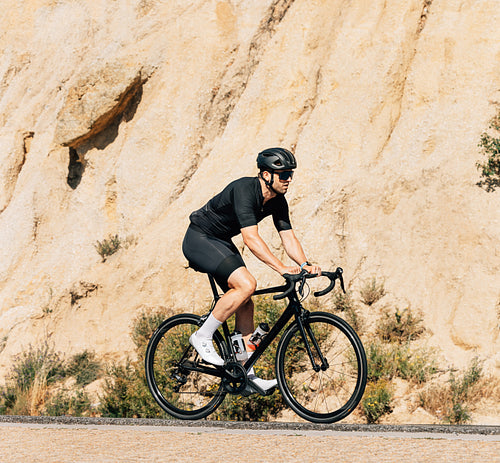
259	248
295	251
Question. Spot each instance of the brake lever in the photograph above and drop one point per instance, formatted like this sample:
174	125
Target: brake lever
339	272
292	281
301	286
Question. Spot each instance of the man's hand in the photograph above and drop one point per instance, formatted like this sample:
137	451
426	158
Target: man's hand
293	270
313	269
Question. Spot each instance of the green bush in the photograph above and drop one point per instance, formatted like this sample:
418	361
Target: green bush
39	361
84	367
387	361
67	403
381	361
376	401
490	147
108	246
27	384
461	388
145	324
415	366
126	394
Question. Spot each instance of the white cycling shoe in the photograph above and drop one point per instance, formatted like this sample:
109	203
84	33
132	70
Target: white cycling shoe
258	385
205	349
264	384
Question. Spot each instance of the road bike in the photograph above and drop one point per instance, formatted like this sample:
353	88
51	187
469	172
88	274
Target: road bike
320	361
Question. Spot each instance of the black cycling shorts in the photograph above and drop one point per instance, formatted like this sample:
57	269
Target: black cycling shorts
209	254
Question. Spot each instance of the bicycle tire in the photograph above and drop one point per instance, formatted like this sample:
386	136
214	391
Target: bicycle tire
180	391
322	396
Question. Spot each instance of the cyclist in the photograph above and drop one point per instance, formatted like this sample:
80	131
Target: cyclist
208	247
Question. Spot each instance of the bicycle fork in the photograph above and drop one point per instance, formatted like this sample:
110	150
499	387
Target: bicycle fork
301	321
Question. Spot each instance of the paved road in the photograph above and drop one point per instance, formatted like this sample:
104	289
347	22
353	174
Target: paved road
65	439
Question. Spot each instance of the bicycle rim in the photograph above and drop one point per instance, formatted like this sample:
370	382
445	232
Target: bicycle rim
181	392
333	392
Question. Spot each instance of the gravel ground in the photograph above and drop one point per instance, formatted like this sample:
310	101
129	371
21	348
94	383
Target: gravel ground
36	439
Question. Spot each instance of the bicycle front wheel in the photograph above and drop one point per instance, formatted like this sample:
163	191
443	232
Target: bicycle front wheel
179	381
329	387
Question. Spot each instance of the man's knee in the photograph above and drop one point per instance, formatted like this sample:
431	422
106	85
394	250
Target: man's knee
243	281
248	286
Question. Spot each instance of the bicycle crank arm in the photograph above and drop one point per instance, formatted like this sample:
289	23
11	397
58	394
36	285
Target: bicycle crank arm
188	365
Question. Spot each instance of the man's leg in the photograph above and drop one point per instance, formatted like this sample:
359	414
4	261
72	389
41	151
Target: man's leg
245	325
241	287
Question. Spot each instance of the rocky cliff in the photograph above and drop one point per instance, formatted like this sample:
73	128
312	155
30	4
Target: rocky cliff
119	118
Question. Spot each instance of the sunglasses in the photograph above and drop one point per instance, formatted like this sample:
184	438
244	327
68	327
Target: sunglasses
285	175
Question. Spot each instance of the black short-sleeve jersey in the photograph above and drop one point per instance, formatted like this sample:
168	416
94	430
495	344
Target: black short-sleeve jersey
240	205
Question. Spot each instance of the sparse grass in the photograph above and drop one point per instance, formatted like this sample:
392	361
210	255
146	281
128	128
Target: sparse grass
376	401
70	403
46	309
108	246
3	343
372	291
34	383
400	326
345	303
461	388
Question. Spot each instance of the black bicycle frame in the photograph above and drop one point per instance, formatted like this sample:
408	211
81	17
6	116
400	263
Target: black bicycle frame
294	308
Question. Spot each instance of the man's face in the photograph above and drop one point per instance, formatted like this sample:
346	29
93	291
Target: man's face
282	180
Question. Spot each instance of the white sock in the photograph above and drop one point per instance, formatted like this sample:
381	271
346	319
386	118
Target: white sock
208	328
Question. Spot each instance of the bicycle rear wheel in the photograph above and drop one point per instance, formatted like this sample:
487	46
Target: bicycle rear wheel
179	381
332	391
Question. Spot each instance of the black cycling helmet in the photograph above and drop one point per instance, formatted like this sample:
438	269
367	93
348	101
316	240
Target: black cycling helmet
276	159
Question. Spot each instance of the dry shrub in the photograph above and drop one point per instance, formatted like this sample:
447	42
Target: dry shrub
344	302
453	401
400	326
372	291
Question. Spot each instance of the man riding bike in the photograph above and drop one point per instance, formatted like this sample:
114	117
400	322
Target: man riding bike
208	247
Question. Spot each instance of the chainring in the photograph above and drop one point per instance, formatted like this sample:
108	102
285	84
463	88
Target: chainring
235	378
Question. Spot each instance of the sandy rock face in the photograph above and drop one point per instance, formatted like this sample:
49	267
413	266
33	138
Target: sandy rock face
120	118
